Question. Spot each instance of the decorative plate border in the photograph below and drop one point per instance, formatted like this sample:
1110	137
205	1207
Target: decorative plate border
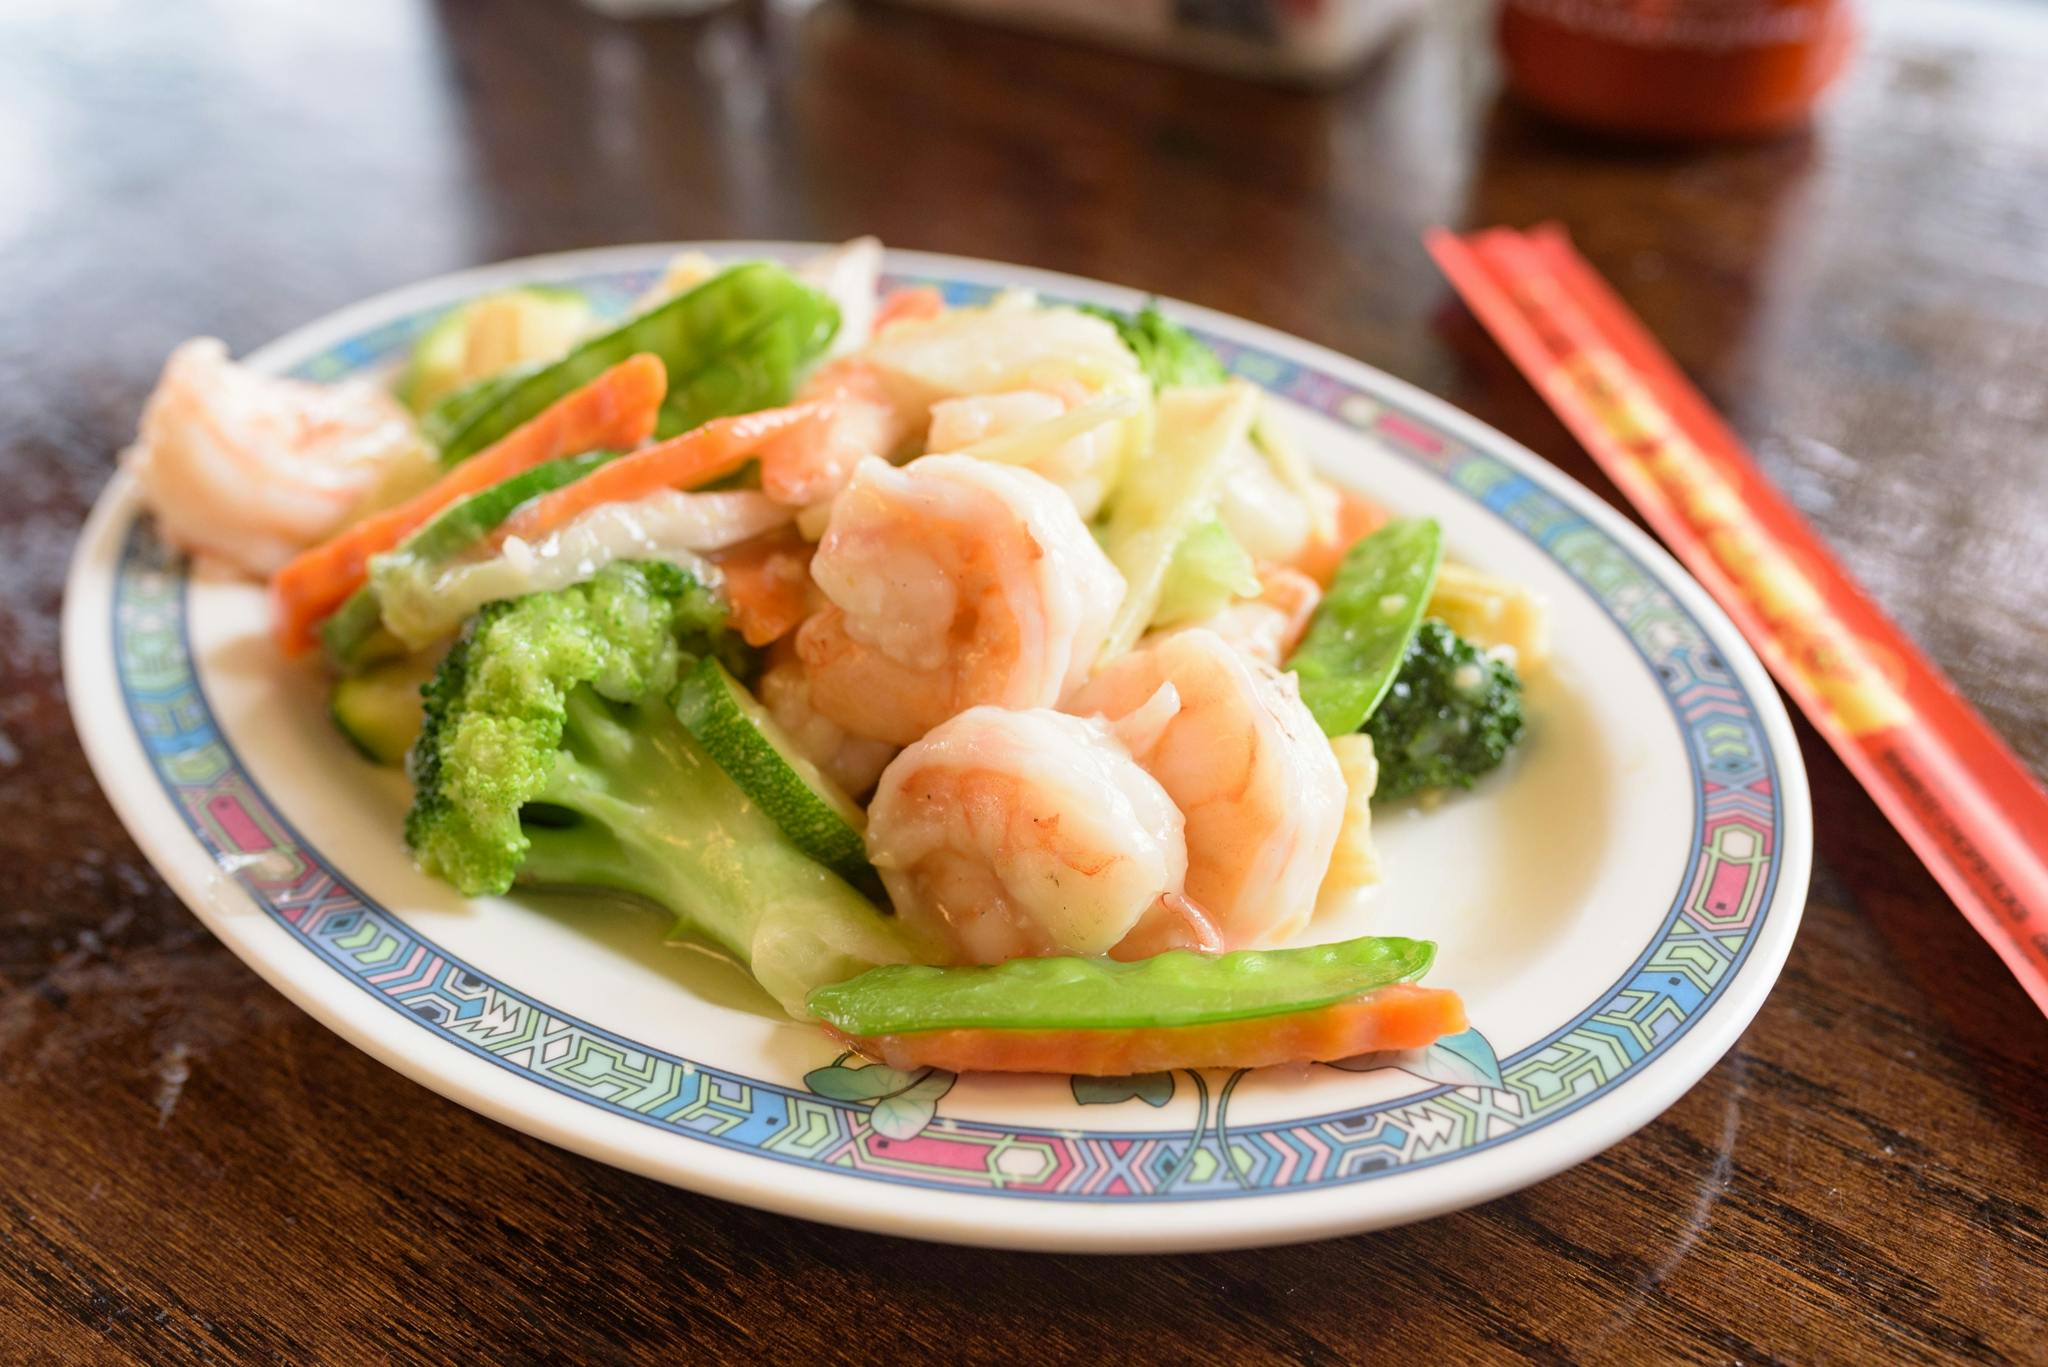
1726	892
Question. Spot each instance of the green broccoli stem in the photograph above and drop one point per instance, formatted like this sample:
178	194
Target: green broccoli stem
633	805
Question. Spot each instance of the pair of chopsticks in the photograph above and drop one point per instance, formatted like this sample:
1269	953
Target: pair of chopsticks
1943	777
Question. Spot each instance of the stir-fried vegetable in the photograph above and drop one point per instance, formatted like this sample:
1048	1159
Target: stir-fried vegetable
488	336
812	810
1359	635
731	345
1453	714
1355	862
689	461
496	709
1168	494
1169	354
1030	443
424	602
354	635
552	757
616	409
1491	611
379	708
1173	1010
633	804
1165	991
1001	346
1209	569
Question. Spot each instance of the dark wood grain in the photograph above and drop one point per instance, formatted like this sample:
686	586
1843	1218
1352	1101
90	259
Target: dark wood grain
190	1169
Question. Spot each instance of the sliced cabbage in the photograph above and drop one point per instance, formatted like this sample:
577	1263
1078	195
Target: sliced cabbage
422	602
850	275
1291	468
1013	342
1273	506
1067	448
998	347
1032	442
1208	572
1169	492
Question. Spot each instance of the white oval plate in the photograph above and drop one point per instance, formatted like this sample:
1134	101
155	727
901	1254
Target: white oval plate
1614	905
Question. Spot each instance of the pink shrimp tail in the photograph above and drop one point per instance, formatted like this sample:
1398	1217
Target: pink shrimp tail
1176	922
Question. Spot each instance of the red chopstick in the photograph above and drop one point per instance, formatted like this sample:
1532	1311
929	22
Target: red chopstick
1944	778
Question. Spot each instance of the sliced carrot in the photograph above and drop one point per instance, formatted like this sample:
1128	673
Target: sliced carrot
905	305
695	458
1397	1017
617	409
767	584
1357	516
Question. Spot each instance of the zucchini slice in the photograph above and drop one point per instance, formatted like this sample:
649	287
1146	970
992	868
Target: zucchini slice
379	709
812	810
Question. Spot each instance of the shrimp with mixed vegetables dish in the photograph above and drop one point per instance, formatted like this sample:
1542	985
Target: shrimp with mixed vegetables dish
994	682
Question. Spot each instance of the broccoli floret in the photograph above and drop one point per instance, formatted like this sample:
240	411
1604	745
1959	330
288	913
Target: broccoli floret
1168	353
495	711
552	757
1452	715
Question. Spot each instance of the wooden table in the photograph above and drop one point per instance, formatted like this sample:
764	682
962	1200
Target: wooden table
190	1169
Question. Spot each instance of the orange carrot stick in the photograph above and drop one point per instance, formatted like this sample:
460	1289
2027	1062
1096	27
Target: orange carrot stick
767	584
697	457
1396	1017
617	409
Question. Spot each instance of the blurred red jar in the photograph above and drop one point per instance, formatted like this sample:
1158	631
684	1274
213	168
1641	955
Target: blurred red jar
1675	68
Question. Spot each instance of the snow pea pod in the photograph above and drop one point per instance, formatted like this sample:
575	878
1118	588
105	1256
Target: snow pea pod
1174	1010
1359	635
1179	987
731	345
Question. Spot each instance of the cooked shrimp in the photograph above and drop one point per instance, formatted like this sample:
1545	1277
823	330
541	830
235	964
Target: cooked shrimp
254	468
1244	762
1007	834
952	582
859	418
849	761
1266	628
1084	466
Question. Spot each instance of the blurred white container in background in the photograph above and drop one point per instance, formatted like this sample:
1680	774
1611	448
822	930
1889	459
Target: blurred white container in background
1283	40
653	9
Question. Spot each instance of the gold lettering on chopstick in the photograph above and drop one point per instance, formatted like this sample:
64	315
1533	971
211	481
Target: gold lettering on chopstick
1839	667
